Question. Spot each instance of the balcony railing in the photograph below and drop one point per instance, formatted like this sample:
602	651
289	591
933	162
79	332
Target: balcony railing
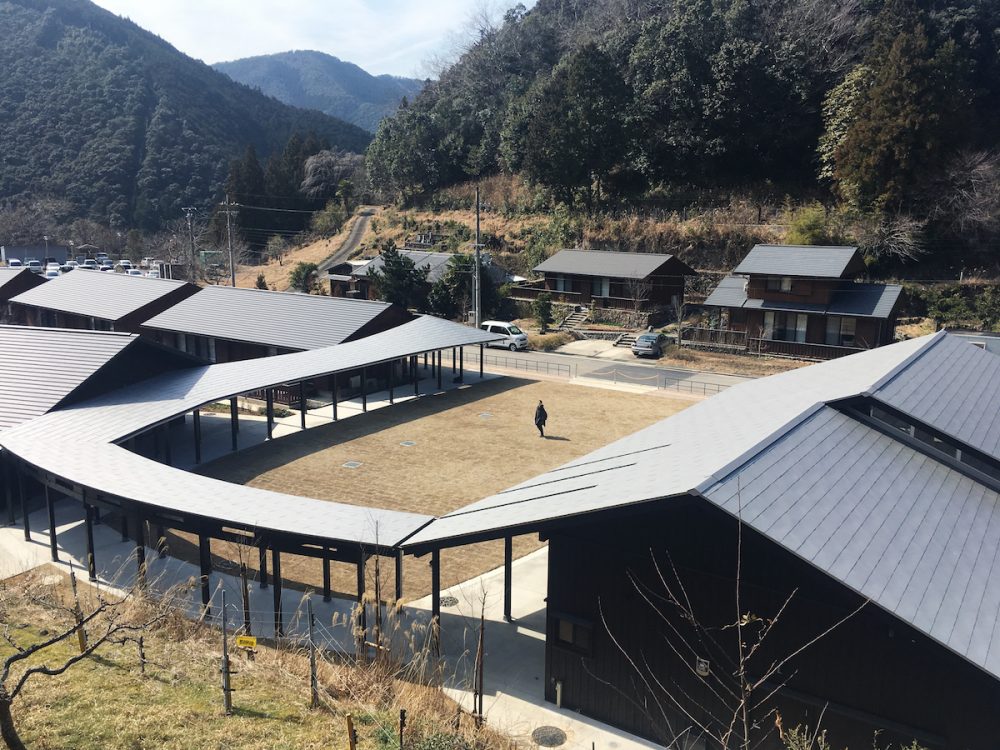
532	292
714	338
800	350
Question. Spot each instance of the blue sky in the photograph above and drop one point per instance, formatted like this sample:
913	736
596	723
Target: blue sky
400	37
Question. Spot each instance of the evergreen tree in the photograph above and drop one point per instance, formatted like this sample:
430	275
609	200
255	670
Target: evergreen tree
399	281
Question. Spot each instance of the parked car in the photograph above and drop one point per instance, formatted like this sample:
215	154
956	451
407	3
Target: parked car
52	266
134	272
15	263
513	337
153	274
126	264
51	273
648	345
35	266
89	264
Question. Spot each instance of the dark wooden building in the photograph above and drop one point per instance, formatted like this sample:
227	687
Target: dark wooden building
13	281
348	280
99	301
627	281
854	504
801	301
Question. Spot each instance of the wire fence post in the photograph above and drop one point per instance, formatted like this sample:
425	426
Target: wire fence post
313	679
227	696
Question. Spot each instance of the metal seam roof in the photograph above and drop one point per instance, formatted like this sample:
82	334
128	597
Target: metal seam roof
98	294
855	300
828	262
281	319
437	263
42	366
604	263
76	443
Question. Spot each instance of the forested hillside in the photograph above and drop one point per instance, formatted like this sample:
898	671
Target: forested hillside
319	81
885	111
112	119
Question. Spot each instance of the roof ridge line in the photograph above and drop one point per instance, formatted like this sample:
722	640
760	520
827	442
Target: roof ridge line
894	372
718	476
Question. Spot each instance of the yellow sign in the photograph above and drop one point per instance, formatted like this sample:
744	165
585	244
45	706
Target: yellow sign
246	641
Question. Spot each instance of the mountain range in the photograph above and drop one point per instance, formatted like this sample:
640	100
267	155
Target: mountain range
120	125
316	80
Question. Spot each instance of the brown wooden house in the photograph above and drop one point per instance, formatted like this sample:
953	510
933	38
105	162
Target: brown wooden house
801	301
628	281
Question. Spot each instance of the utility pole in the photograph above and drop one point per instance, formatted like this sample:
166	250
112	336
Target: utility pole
230	209
476	297
193	272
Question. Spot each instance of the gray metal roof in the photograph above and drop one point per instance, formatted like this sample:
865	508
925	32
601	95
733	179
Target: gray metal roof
610	264
854	299
76	442
283	319
8	274
917	537
39	367
437	262
98	294
957	391
799	260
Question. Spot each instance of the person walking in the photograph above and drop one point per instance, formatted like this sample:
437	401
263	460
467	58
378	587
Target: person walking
540	417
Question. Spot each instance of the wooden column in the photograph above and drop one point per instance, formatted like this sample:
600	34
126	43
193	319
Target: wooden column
436	601
425	360
24	506
461	364
196	423
140	551
8	491
416	377
392	378
168	454
336	396
279	625
326	575
362	617
399	574
234	422
454	361
508	561
205	563
482	347
269	400
302	404
88	520
51	508
262	564
364	389
440	357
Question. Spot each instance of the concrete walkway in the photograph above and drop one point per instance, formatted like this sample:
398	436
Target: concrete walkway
514	652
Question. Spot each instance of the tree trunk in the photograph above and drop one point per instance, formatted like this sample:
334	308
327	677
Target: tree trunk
7	729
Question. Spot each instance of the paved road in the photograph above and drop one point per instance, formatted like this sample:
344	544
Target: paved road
351	243
638	372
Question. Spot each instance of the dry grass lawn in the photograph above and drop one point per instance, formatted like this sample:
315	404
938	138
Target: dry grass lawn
106	702
460	456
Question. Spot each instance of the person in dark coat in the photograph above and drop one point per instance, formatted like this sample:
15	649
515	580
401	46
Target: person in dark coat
540	416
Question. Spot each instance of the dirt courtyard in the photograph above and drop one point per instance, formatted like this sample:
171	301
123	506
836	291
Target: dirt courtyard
466	445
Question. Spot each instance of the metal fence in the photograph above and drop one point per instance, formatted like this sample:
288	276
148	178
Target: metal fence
663	382
531	365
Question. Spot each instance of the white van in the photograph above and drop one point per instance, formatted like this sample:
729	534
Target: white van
513	337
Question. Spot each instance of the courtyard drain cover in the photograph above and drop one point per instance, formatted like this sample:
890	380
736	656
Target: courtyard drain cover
485	415
408	443
548	736
352	464
449	601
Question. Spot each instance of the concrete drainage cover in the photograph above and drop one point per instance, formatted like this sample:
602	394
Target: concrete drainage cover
449	601
485	415
408	443
352	465
548	737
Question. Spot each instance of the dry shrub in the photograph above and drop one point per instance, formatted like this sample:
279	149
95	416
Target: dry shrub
547	342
